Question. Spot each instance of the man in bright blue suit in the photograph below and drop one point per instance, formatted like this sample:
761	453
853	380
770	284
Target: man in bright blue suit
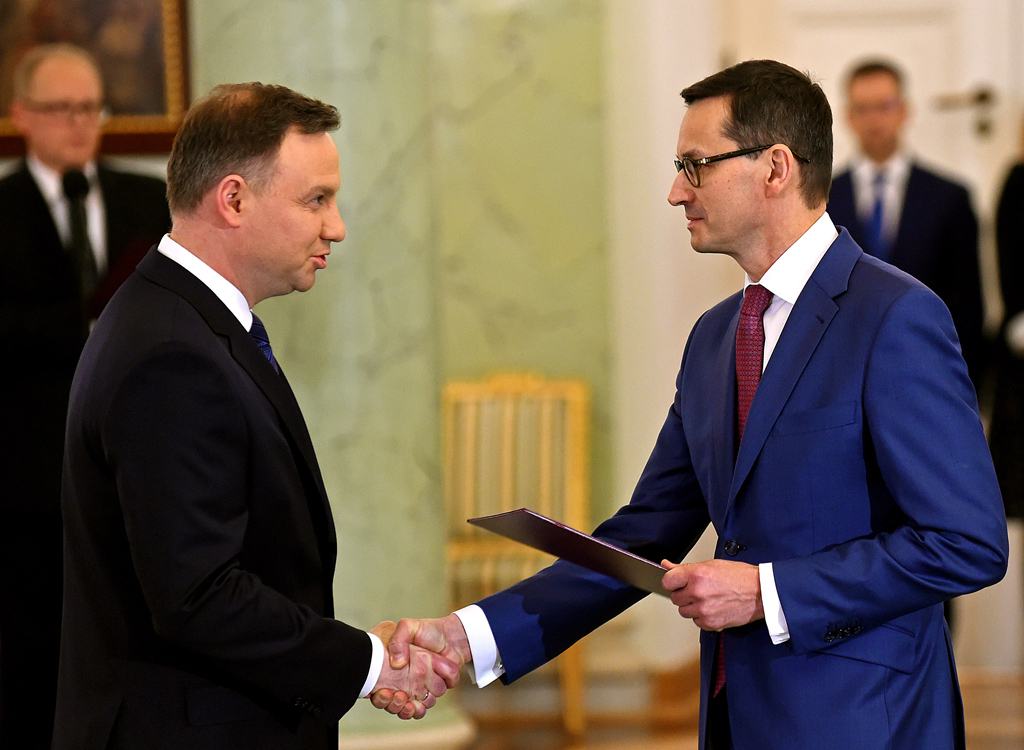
904	213
846	474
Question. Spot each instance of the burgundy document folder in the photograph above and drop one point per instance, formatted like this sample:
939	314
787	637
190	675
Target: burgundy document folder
541	532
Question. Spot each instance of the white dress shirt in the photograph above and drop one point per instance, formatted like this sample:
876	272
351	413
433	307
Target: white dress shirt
235	301
51	185
785	280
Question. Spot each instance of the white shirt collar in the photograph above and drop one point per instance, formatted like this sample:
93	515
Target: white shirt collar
863	170
226	292
896	166
787	276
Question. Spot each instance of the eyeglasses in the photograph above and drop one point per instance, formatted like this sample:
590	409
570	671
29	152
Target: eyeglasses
691	167
89	111
886	107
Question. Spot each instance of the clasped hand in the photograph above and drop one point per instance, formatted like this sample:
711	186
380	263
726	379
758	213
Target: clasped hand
424	659
715	594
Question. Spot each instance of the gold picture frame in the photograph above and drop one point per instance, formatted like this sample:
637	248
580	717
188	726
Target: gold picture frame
142	50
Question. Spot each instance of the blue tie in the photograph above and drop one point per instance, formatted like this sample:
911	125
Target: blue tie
874	229
259	335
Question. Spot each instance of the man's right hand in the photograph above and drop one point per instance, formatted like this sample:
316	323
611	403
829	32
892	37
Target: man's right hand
410	690
445	637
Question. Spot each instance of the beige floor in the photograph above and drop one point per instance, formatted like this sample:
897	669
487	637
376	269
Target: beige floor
994	709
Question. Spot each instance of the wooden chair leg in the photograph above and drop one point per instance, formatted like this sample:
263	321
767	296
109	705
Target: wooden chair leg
573	690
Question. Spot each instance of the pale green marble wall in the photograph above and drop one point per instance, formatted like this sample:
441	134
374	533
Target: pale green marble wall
516	86
472	192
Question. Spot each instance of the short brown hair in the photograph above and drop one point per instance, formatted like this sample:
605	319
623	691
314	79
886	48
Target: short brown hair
30	62
238	129
874	67
770	102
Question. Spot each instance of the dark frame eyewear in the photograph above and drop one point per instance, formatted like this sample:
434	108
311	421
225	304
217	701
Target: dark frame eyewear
691	167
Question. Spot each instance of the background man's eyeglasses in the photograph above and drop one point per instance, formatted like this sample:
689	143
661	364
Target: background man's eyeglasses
691	167
90	111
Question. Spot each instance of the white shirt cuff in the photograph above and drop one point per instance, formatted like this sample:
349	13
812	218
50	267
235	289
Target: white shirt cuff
486	666
1015	334
774	617
376	665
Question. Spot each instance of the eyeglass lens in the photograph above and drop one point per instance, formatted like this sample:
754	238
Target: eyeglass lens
88	110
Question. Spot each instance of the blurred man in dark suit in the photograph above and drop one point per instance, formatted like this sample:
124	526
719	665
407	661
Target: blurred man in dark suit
73	229
905	214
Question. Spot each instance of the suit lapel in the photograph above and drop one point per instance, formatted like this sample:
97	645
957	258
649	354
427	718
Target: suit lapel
36	207
807	323
724	447
243	349
913	205
112	207
277	390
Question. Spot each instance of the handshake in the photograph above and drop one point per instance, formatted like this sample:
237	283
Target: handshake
423	660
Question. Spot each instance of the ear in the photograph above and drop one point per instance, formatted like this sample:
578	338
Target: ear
783	172
231	197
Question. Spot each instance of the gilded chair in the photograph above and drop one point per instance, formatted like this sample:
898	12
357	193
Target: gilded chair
513	441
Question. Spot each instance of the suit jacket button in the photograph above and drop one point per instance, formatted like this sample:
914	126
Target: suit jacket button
732	548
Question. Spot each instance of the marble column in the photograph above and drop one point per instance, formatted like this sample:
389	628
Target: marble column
360	349
659	286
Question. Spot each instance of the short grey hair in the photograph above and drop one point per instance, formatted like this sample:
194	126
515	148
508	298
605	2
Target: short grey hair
27	66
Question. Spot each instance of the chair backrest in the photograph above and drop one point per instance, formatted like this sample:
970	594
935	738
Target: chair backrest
510	441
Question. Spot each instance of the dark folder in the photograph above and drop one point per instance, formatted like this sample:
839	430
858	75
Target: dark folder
547	535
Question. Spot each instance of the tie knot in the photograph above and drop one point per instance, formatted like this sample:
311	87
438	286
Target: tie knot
755	300
879	179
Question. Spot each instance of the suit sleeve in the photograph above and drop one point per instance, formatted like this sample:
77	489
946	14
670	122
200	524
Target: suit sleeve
924	439
183	488
535	620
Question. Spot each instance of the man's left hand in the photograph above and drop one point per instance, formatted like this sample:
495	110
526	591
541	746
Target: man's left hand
715	594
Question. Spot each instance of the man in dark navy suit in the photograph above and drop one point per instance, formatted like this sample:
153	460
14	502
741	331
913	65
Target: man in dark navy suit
46	307
905	214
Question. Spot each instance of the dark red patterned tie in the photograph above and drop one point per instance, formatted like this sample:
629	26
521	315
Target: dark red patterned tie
750	349
749	362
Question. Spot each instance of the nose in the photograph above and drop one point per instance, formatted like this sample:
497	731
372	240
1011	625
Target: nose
334	227
681	192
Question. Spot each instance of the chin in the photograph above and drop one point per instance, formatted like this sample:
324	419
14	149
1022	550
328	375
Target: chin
699	245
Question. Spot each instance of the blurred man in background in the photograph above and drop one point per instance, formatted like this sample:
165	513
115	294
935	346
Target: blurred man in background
73	230
905	214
